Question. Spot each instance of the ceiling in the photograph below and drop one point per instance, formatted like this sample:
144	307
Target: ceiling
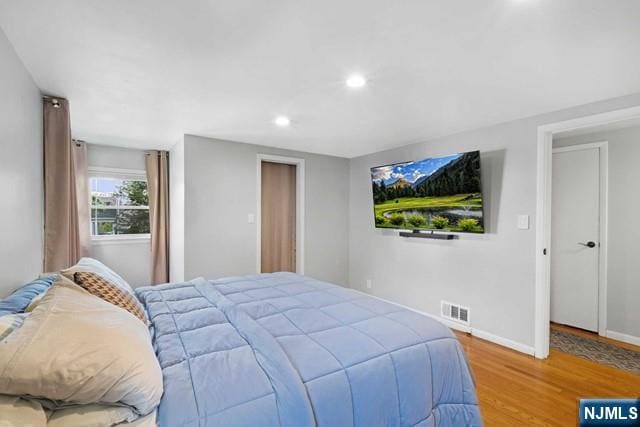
142	73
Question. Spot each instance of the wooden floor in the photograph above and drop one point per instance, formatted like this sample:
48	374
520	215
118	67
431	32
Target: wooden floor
518	390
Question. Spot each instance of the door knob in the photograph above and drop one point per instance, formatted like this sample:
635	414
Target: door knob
588	244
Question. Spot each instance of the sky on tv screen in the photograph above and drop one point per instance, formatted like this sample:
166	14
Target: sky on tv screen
410	171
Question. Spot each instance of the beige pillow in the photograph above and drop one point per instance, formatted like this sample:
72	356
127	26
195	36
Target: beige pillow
17	412
34	303
77	348
146	421
10	323
91	416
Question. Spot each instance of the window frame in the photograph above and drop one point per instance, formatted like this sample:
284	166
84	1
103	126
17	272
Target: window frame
116	173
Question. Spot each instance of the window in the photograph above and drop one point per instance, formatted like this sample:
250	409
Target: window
119	203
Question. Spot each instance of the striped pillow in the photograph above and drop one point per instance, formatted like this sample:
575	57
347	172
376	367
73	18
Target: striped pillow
104	289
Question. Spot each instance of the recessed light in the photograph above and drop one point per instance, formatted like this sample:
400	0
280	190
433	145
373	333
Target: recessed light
282	121
356	81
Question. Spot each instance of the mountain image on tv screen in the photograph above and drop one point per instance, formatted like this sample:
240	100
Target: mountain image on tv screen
440	193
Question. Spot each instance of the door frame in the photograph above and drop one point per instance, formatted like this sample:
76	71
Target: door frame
299	164
543	213
603	195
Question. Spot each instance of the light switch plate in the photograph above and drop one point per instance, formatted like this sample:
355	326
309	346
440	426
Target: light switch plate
369	284
251	218
523	222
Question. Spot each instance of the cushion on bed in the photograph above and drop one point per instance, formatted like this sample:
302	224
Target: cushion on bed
18	301
91	416
34	302
10	323
94	266
77	348
15	412
148	420
104	289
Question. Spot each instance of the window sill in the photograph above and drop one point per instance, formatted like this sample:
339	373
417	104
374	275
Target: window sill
123	239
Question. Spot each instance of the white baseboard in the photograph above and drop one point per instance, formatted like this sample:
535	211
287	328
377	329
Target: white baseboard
449	323
629	339
504	342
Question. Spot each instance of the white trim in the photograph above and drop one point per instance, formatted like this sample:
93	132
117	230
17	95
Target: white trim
542	314
121	173
579	147
120	239
504	342
603	282
121	207
543	213
629	339
299	163
592	121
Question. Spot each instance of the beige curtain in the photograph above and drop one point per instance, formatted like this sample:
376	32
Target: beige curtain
66	192
157	165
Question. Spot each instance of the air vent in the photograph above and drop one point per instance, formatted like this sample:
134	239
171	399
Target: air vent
455	312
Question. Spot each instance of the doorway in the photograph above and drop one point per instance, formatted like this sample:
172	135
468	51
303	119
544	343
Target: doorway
578	236
280	219
546	134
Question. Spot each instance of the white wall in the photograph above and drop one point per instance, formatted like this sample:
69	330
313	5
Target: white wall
176	212
220	191
107	156
21	205
493	274
131	258
623	272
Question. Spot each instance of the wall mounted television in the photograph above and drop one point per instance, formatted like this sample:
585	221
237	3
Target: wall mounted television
437	193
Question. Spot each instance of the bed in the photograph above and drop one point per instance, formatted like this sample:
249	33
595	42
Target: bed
81	347
286	350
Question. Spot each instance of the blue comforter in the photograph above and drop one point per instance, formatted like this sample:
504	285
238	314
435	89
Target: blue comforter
285	350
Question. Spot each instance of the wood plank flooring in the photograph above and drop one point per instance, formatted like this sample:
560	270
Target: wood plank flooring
518	390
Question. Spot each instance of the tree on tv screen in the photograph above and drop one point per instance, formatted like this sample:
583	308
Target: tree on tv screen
458	177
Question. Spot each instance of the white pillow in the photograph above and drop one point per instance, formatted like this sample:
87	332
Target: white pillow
94	266
76	348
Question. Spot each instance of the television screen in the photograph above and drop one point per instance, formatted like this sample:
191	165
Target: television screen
439	193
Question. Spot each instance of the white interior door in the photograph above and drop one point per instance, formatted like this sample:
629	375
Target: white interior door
575	248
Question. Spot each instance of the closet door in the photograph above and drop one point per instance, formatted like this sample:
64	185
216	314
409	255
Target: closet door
278	217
